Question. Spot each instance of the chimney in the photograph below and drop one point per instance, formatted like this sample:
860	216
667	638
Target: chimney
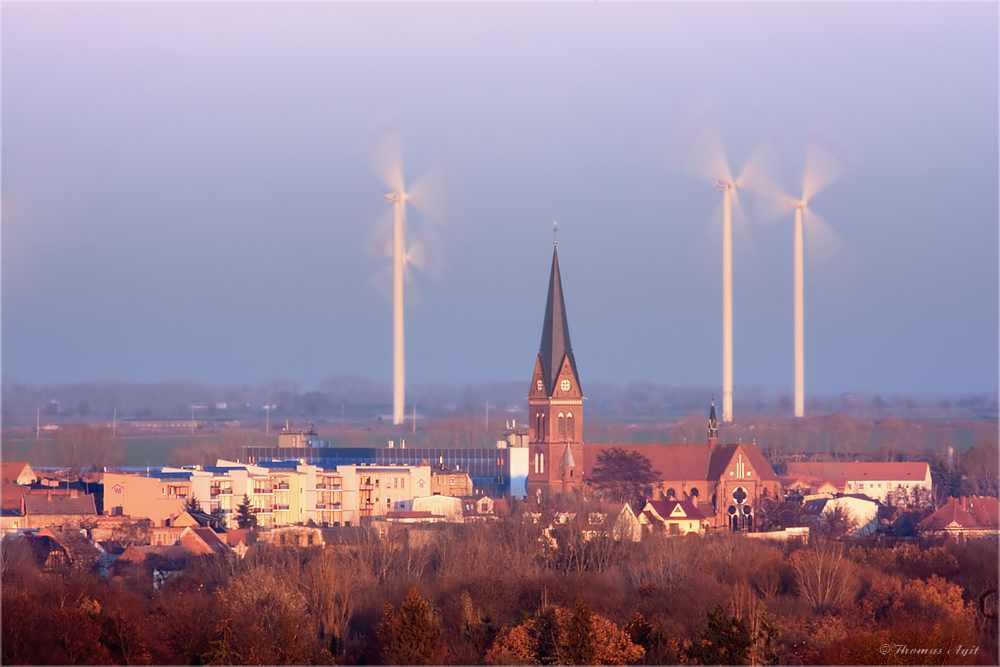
73	493
48	495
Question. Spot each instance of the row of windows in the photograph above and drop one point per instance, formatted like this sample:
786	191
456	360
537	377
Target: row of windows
476	462
564	424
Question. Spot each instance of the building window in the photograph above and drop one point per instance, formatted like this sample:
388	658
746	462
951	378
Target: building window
541	460
562	427
451	481
402	483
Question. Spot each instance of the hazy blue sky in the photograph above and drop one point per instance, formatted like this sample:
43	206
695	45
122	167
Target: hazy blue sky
188	190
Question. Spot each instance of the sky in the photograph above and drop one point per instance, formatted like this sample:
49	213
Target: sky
194	190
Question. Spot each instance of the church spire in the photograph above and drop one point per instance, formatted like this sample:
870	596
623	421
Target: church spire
713	426
555	345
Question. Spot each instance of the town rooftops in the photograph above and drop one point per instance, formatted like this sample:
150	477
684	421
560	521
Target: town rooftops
665	510
860	470
59	504
687	461
964	513
17	472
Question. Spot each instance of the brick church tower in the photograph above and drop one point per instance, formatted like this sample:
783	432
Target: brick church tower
555	404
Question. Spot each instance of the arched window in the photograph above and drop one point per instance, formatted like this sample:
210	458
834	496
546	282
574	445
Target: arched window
671	494
562	427
542	458
540	426
694	492
570	432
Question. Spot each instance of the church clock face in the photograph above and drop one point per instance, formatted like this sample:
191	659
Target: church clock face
540	385
565	385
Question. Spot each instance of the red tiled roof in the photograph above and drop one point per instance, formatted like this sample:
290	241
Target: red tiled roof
664	508
673	461
138	554
860	470
59	504
970	513
687	461
12	470
723	454
202	540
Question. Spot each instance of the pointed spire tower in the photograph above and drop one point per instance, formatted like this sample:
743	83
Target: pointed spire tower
555	401
713	426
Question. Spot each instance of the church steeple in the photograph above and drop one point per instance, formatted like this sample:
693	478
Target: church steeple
555	402
555	347
713	426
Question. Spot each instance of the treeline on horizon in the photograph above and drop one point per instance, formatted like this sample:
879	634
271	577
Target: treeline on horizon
360	398
497	593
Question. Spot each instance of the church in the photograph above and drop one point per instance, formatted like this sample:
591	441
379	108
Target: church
726	482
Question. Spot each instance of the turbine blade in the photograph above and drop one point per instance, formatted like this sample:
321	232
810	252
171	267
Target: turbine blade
430	195
415	255
696	148
378	241
827	158
423	253
762	180
823	245
384	154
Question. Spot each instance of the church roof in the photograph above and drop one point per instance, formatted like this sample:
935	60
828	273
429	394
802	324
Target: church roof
555	332
687	461
723	454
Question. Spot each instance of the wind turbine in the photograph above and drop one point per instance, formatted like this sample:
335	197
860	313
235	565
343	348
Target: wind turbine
824	163
427	195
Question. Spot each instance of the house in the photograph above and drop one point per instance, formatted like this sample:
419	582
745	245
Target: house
448	482
295	536
70	549
964	517
672	517
11	522
860	512
873	479
627	526
448	507
53	509
478	509
17	473
202	541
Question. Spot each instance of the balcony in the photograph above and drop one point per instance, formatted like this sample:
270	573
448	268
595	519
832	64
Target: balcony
226	492
214	492
283	486
281	508
262	491
320	486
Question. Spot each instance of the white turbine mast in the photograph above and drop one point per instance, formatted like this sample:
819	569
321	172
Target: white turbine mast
800	354
727	188
398	267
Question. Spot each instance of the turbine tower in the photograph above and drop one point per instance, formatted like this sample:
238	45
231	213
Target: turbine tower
800	355
727	188
398	200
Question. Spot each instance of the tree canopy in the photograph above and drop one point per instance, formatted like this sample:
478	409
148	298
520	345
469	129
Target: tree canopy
624	476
